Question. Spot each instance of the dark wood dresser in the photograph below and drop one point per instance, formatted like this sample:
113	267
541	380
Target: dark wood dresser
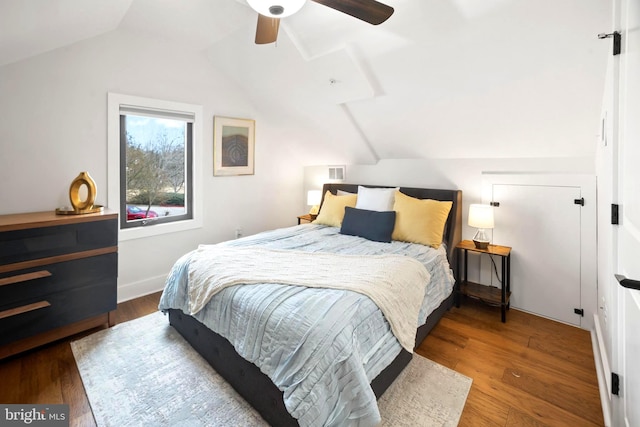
58	276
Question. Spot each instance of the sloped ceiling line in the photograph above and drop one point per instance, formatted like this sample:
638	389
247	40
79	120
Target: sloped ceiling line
31	28
367	71
372	151
297	42
350	79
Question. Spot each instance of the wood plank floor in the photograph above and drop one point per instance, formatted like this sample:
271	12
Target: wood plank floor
49	375
528	371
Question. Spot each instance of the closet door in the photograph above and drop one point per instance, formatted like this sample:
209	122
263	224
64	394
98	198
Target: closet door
542	225
549	220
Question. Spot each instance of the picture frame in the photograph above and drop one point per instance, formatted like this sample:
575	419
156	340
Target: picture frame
233	146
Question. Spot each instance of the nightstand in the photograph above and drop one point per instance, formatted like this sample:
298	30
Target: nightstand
487	294
306	218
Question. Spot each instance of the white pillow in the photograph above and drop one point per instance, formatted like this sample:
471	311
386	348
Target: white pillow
376	199
344	193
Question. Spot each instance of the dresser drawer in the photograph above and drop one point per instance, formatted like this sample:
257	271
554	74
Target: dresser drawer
57	309
34	243
22	286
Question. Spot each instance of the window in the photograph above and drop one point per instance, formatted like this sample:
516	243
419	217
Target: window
155	166
152	171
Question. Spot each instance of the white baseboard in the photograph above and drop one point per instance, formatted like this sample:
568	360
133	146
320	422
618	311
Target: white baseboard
133	290
603	369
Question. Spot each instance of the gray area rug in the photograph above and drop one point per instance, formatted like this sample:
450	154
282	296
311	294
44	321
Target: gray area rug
143	373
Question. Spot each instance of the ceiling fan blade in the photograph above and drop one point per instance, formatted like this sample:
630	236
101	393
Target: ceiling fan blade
267	29
369	11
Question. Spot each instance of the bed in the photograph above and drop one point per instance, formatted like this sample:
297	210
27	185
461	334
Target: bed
312	399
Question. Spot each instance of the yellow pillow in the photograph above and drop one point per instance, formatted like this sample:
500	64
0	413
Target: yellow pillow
332	209
420	220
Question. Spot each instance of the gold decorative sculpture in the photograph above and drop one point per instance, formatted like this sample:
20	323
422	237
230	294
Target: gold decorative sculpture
80	206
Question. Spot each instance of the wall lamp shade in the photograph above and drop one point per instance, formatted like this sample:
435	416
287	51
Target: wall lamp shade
481	217
313	199
276	8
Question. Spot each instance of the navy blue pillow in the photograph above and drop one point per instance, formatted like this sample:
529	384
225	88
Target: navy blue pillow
372	225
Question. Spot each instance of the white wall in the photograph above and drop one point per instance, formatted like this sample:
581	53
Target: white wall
462	174
53	125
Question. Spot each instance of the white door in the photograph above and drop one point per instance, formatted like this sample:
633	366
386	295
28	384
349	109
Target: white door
626	235
553	240
542	225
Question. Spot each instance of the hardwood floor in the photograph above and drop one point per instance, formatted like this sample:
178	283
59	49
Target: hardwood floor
529	371
526	372
49	374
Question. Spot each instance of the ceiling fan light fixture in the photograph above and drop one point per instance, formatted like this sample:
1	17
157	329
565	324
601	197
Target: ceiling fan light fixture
276	8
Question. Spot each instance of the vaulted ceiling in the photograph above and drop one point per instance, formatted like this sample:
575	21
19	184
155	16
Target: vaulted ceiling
440	78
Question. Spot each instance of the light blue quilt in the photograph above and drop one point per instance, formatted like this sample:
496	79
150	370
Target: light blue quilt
321	347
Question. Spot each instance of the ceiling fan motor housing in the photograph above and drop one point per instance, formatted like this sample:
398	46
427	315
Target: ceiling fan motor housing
276	9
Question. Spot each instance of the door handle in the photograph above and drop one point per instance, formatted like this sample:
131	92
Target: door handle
628	283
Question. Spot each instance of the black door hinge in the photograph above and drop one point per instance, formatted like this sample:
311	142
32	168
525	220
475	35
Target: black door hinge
617	41
579	201
615	384
494	204
579	311
615	218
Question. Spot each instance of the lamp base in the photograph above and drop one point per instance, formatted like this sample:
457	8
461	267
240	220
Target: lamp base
481	240
481	244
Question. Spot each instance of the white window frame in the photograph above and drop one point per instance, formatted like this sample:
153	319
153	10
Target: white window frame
114	100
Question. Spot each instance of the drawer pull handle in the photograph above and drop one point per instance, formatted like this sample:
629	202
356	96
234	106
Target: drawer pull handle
24	309
24	277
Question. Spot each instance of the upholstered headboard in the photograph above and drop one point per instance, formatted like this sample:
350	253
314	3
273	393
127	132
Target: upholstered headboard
453	228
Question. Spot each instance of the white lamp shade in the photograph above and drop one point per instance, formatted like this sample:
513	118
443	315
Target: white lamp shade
314	197
276	8
481	216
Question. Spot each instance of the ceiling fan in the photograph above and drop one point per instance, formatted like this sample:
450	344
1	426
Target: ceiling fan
270	12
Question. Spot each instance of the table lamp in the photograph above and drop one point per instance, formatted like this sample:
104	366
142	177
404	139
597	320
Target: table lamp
481	217
313	199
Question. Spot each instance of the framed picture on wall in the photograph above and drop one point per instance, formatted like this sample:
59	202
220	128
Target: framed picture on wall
233	146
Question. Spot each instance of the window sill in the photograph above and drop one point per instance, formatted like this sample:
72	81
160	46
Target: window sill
158	229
